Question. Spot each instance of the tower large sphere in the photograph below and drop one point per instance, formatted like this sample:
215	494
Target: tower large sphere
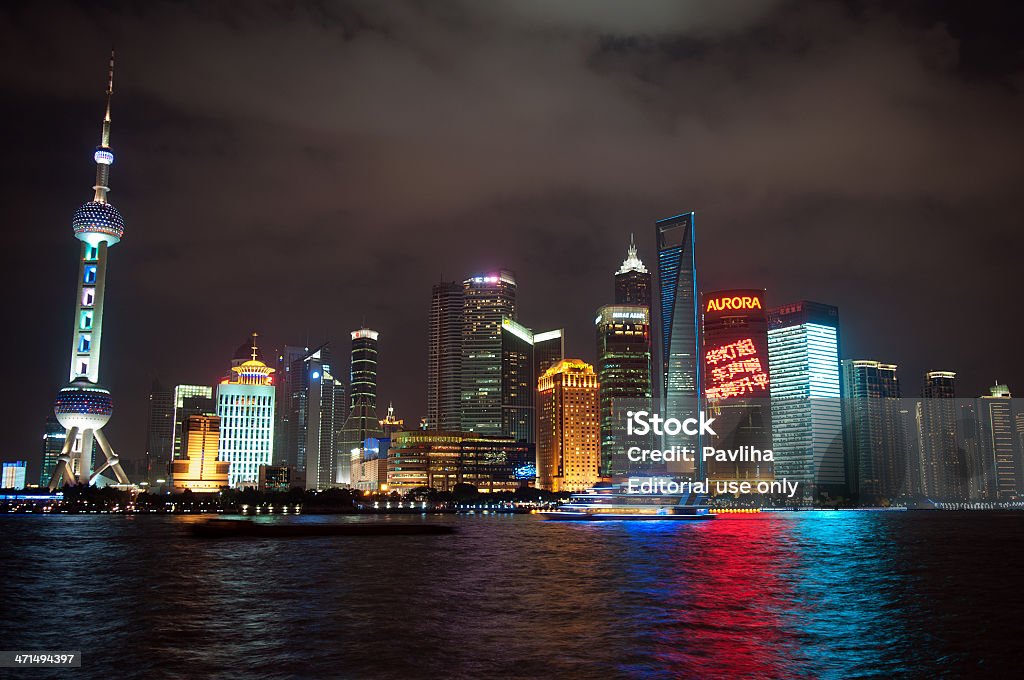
96	222
83	404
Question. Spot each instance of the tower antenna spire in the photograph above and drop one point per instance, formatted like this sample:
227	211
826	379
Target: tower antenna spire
104	157
105	139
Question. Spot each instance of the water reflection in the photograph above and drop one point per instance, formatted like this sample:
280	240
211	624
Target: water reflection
806	595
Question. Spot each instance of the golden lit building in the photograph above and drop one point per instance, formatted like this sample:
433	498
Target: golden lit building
568	444
200	470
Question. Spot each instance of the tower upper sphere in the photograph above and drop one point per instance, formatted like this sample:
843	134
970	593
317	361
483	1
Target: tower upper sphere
96	222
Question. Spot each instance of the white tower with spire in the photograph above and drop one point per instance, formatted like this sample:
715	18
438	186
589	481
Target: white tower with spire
83	407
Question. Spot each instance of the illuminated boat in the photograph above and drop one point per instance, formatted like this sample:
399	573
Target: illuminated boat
611	503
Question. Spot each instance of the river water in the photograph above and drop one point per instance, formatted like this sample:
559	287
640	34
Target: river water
792	595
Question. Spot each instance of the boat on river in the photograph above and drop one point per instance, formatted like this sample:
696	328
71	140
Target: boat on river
613	503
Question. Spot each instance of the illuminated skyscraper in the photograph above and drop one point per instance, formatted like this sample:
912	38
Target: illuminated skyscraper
189	400
807	418
632	280
875	452
285	435
517	381
736	380
944	469
999	471
198	468
54	437
680	365
362	422
568	430
245	404
487	299
83	407
14	475
624	376
159	432
318	407
440	460
548	350
444	386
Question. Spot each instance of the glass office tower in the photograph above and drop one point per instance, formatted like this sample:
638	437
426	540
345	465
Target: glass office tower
487	299
680	365
807	419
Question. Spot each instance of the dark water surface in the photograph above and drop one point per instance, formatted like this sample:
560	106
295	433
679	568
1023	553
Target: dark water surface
833	595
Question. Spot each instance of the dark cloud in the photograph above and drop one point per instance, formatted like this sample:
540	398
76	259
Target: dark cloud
298	168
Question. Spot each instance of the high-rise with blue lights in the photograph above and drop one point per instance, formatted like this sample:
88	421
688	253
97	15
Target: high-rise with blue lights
680	354
83	407
317	403
805	388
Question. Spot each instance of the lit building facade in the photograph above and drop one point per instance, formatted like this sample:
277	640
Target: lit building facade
632	280
487	299
737	381
805	386
189	400
278	478
245	405
199	469
624	379
370	465
362	422
444	361
440	460
54	436
876	465
568	427
159	432
13	475
944	469
517	379
999	473
317	402
285	436
679	317
548	350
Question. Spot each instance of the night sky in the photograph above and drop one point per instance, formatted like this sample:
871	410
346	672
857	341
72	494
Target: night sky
302	168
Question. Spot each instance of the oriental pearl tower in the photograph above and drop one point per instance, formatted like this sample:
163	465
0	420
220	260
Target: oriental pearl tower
83	406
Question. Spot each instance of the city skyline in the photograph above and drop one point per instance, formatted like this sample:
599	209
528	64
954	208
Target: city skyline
159	114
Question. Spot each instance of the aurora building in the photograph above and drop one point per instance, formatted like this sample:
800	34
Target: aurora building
736	381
